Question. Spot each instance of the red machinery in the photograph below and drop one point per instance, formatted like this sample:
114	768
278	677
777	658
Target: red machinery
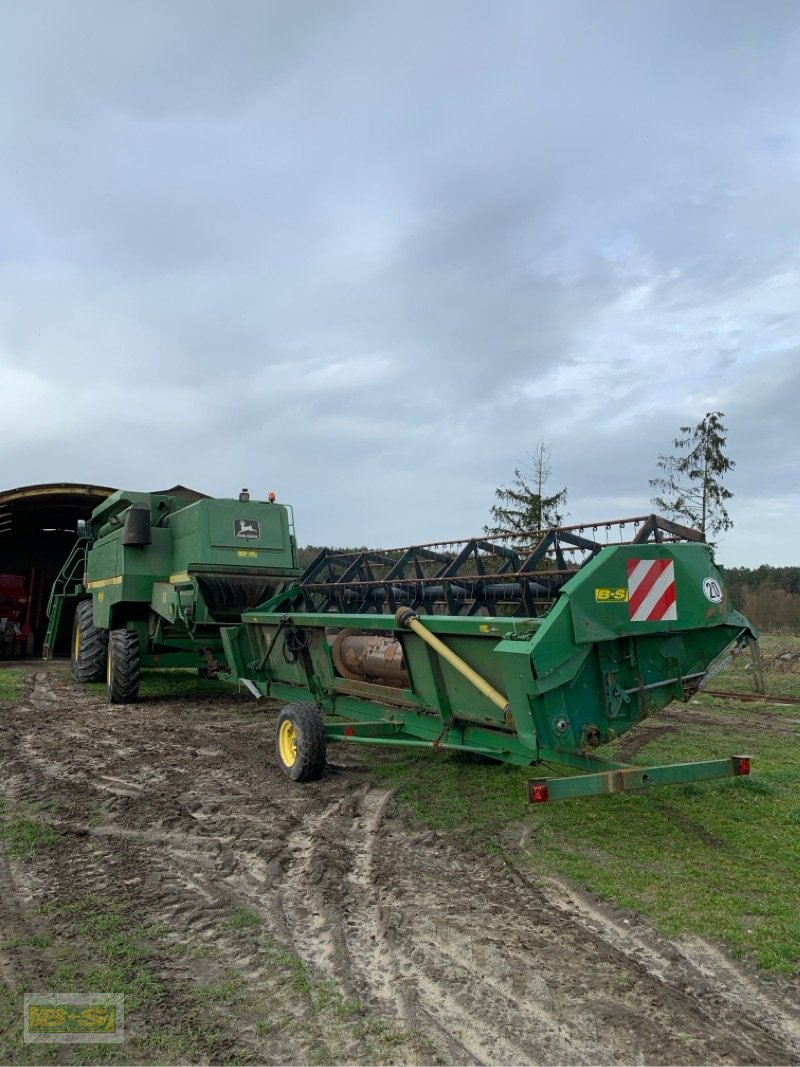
16	636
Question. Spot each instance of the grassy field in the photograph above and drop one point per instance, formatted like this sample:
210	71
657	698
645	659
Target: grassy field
185	684
719	859
12	684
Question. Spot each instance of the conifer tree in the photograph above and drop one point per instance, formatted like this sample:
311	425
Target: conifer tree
524	505
690	486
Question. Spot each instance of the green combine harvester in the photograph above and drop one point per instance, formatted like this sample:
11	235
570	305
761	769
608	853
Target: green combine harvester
528	650
154	578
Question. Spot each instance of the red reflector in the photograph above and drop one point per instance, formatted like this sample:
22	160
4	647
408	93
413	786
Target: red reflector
537	792
349	731
741	764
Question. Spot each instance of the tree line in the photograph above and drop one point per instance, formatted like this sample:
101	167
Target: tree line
768	596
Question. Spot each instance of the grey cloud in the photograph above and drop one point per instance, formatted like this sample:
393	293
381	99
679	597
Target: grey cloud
373	252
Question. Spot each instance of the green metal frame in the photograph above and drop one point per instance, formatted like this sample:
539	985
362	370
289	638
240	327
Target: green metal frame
618	779
571	680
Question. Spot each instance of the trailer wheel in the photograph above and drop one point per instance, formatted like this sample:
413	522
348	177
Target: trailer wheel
89	646
300	742
122	675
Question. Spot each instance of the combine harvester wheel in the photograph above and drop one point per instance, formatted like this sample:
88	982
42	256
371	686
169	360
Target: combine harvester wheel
122	678
300	742
89	646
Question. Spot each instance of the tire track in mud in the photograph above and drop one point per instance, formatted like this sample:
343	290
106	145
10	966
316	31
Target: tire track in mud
497	968
755	720
180	811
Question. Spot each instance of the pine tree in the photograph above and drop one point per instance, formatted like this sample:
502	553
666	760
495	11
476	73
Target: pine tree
690	485
523	505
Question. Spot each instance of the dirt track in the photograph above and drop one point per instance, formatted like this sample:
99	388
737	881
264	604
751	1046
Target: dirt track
316	924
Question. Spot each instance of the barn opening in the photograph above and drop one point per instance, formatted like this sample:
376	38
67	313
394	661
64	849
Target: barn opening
37	532
38	525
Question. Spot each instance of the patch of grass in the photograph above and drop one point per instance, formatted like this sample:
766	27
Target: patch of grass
40	941
169	684
111	950
120	952
717	859
156	932
26	837
335	1016
81	1055
242	919
780	677
227	989
199	951
191	1041
297	974
35	941
12	685
12	1049
88	905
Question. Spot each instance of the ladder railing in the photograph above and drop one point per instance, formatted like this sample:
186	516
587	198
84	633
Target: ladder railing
70	575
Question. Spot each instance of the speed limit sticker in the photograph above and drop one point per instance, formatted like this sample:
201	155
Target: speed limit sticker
712	590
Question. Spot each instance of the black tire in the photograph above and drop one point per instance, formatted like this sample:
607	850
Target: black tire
122	675
89	646
300	742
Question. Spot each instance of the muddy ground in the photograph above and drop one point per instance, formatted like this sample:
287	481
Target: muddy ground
249	919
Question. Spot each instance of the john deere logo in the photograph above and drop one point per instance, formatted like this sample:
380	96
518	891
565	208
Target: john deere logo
246	529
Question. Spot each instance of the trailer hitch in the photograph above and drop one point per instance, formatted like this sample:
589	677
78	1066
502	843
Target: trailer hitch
625	779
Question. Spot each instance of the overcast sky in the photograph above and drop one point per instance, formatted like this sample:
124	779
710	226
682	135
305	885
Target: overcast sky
368	254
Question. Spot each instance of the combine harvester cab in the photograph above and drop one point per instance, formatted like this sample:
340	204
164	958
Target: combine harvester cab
524	655
153	578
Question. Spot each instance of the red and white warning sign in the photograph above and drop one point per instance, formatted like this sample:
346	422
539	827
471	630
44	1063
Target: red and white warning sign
652	595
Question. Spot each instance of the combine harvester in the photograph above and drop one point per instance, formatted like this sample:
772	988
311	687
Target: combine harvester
525	650
152	580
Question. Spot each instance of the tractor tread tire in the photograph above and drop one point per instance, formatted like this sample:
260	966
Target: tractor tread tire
123	667
89	663
311	741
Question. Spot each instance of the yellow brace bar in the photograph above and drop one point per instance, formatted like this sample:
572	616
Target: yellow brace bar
405	617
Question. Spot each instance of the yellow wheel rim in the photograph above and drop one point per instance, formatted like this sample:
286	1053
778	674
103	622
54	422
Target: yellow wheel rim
287	743
77	642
